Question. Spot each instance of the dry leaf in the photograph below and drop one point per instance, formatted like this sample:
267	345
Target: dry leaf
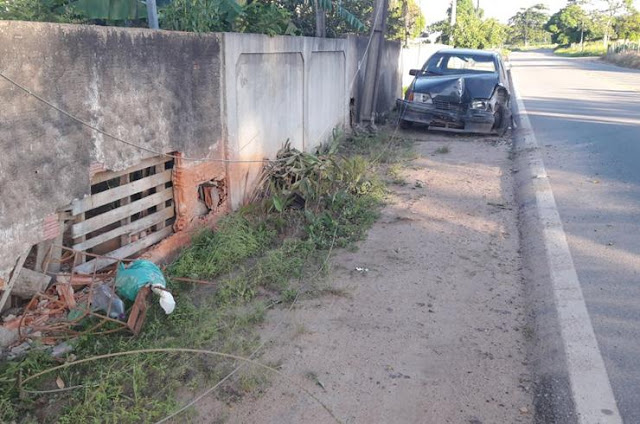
59	383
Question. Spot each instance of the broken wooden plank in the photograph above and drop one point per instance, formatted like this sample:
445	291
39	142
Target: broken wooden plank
139	310
108	196
159	170
79	239
65	291
123	252
30	282
133	227
125	238
14	278
42	249
81	228
145	163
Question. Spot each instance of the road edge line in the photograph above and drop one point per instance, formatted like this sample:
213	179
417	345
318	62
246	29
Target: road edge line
569	361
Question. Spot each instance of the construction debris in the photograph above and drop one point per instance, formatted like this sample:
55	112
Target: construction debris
29	283
77	304
61	349
143	273
12	281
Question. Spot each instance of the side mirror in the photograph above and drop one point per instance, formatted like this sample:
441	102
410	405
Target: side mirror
414	72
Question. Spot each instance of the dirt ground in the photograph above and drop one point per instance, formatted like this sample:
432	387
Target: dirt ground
433	328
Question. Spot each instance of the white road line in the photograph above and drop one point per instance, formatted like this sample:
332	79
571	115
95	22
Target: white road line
591	390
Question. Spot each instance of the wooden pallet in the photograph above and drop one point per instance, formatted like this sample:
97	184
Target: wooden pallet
127	212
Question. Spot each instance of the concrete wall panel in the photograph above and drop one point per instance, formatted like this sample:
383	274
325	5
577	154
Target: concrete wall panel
268	83
389	77
389	73
327	92
271	80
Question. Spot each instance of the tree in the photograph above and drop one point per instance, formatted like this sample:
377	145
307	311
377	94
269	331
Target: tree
495	33
567	25
265	17
344	17
527	25
38	10
200	15
470	30
405	20
322	7
611	9
627	27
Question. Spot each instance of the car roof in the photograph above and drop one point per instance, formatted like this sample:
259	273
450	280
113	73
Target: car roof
469	51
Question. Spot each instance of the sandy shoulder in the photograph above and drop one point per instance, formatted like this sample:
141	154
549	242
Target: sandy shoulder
435	331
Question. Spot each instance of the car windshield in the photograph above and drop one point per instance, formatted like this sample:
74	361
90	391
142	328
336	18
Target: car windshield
459	63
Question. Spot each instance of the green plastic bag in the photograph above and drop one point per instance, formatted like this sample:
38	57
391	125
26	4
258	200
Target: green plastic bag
140	273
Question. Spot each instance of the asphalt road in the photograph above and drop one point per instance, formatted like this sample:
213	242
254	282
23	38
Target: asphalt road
586	114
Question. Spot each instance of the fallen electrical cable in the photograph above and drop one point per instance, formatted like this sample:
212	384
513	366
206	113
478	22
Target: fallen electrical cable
177	350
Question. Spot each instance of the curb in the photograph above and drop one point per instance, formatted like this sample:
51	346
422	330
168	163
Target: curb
571	381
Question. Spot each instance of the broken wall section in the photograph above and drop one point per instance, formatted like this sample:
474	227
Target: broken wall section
160	90
211	96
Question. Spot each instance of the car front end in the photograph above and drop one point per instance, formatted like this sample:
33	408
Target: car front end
458	90
475	116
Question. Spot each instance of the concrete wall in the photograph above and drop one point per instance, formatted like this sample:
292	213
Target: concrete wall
389	74
236	96
155	88
389	88
279	89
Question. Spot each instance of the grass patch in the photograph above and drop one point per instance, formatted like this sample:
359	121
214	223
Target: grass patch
522	48
260	256
395	173
212	253
590	49
628	59
377	147
443	150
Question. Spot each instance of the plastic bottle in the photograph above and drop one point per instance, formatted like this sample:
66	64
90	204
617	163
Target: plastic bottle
102	296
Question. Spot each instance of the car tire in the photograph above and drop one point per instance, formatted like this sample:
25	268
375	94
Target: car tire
501	123
405	124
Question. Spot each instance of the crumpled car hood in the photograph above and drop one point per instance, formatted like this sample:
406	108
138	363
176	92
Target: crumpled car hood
457	88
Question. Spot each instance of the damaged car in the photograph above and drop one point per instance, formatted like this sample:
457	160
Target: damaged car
459	90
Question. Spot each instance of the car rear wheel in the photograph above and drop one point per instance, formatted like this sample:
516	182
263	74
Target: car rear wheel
405	124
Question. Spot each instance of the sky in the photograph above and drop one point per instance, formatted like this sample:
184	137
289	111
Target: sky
436	10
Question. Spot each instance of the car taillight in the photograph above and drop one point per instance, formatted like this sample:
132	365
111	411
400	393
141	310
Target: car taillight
410	96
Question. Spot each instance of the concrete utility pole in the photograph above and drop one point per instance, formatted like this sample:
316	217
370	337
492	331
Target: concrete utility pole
321	20
453	21
152	14
453	12
405	17
370	92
